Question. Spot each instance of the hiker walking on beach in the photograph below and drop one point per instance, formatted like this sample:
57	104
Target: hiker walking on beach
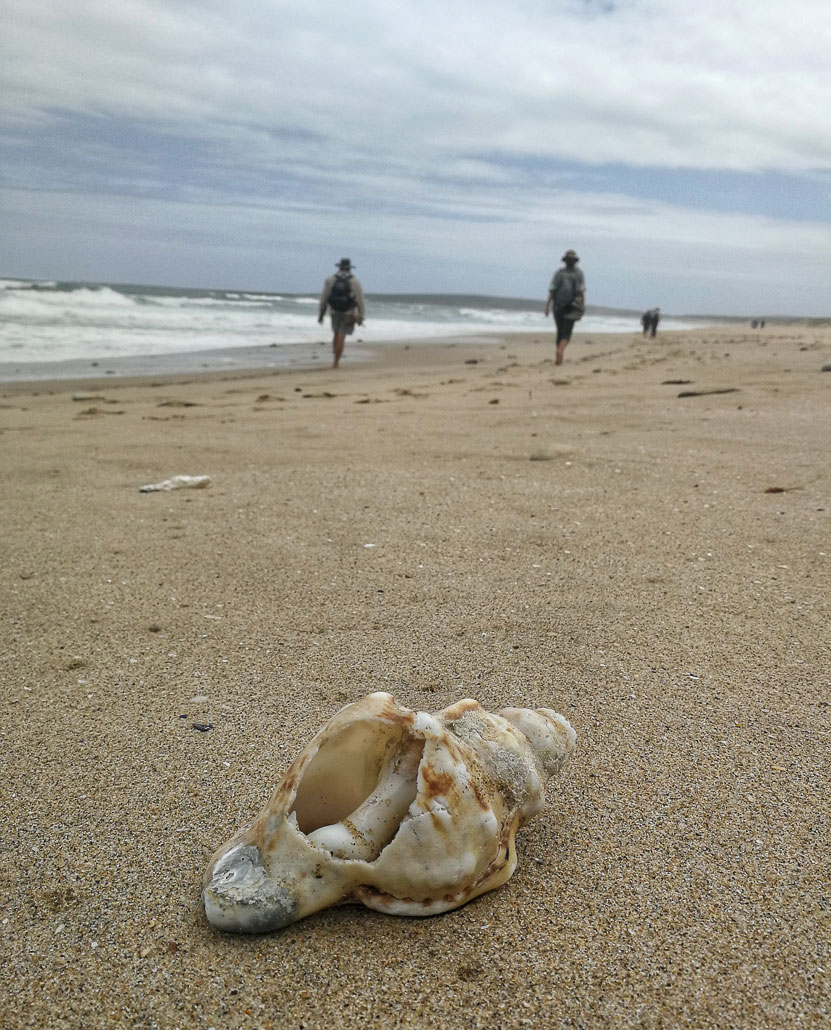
567	296
650	320
343	295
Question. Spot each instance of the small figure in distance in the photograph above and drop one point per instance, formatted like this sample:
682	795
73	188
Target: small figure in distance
650	320
343	295
567	296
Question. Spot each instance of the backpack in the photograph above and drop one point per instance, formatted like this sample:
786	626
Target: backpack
565	290
341	297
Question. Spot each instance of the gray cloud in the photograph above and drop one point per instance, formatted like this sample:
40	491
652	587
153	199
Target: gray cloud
443	140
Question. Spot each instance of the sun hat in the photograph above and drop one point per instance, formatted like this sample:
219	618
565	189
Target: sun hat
570	255
344	264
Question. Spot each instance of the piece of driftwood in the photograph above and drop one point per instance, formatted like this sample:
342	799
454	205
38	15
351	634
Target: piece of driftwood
704	393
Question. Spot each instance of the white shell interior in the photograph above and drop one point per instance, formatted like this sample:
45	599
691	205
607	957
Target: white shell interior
358	788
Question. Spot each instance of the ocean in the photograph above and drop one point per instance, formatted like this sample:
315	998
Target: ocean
68	330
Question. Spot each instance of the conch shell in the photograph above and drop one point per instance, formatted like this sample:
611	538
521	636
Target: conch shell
405	812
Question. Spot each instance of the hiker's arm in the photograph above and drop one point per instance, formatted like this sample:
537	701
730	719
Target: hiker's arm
358	292
324	299
550	298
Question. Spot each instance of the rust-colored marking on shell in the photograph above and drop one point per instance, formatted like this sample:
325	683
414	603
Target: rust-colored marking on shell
392	713
438	823
457	710
438	784
290	782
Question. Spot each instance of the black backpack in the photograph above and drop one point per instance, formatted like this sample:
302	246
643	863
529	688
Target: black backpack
341	297
566	290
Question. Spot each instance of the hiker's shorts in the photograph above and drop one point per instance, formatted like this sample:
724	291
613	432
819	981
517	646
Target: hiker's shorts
565	326
343	322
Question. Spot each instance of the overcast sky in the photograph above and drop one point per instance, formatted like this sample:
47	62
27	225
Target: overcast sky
683	148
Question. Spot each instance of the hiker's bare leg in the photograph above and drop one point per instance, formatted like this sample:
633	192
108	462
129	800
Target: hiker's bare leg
561	346
337	348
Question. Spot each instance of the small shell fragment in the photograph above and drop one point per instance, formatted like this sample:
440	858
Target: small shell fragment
176	483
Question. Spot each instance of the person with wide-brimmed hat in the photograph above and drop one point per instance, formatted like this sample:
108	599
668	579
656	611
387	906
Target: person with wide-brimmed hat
567	297
343	295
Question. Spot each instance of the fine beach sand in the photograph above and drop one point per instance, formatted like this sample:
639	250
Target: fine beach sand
447	521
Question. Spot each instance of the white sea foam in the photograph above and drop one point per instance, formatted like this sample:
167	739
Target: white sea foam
52	322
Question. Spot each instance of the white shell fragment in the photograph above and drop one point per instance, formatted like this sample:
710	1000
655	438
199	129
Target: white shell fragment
176	483
405	812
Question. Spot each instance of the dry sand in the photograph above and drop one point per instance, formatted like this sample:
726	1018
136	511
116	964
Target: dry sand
450	521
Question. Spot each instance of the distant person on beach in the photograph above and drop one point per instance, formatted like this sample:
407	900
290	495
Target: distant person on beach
567	297
650	320
343	295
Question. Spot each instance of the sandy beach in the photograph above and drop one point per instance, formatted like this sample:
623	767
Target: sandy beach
638	538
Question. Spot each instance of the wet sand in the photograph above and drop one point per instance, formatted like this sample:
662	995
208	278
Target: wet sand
439	522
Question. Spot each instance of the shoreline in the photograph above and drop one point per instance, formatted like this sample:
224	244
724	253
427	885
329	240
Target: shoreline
300	355
267	360
637	539
303	358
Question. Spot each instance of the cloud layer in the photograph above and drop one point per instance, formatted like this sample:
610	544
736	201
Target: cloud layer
683	149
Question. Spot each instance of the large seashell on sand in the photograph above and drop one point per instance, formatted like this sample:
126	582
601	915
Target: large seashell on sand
405	812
